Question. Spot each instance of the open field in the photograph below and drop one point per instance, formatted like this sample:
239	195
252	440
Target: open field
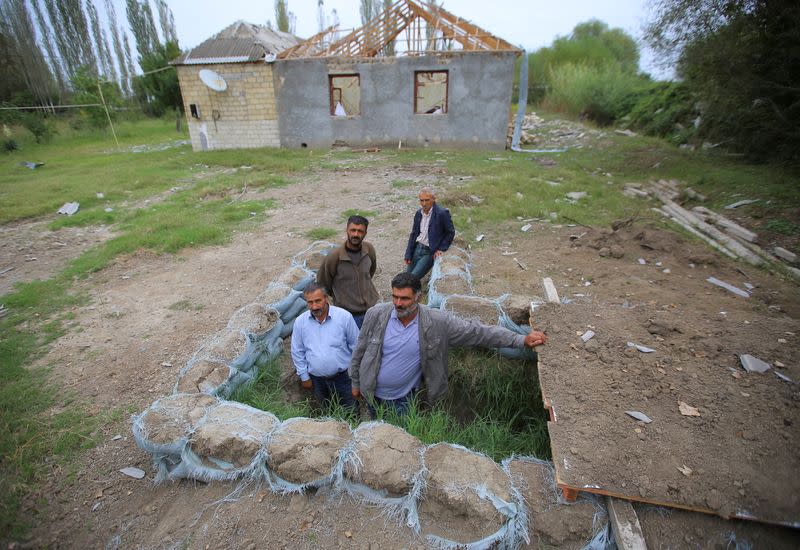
97	303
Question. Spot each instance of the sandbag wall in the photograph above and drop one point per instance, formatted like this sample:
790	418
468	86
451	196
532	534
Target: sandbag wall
196	434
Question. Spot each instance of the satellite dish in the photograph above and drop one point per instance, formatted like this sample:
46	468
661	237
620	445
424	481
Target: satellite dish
270	57
213	80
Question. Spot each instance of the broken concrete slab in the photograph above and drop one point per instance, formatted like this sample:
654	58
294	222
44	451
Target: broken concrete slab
69	208
728	287
753	364
472	307
551	294
785	254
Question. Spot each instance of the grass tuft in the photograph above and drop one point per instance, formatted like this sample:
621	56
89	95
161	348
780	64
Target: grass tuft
321	233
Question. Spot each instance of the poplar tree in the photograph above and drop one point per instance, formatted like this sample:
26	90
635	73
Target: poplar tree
124	74
53	58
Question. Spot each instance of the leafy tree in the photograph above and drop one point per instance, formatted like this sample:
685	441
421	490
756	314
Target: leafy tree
160	90
84	84
284	19
119	51
741	61
592	44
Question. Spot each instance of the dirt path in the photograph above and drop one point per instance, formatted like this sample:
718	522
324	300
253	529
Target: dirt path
149	311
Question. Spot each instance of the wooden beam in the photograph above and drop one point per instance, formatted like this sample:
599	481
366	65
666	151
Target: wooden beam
625	525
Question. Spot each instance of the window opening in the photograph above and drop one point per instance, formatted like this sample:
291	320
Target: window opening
430	92
345	94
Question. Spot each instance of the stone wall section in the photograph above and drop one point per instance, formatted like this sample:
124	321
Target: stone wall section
243	116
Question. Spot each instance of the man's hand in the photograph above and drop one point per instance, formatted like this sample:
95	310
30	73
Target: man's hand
306	384
408	262
535	338
356	393
437	254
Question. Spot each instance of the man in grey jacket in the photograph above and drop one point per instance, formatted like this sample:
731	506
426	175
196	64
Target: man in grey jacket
404	342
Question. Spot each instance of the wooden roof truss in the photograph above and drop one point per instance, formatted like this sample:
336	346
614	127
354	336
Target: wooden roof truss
407	27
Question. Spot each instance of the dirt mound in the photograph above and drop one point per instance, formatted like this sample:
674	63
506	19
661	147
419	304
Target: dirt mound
292	276
203	376
473	307
171	418
451	506
304	450
231	435
518	307
388	458
225	346
255	318
314	256
551	523
451	284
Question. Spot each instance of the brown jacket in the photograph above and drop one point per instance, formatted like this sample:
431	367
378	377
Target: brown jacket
350	285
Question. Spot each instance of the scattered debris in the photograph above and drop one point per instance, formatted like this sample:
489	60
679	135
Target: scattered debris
6	270
588	335
551	294
3	311
753	364
69	208
740	203
166	364
525	227
783	377
641	417
687	410
725	224
694	195
642	261
479	238
31	165
630	191
576	195
728	287
100	196
625	132
643	349
685	470
522	266
116	437
135	473
779	364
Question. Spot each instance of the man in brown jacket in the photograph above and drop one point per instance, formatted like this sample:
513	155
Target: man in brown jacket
347	271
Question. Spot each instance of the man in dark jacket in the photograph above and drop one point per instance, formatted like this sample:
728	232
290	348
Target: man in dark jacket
347	271
431	234
404	343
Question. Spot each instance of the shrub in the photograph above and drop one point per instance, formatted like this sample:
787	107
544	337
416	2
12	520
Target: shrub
602	94
39	126
10	146
664	109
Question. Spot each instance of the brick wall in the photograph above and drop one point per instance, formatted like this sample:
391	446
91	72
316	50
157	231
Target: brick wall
243	116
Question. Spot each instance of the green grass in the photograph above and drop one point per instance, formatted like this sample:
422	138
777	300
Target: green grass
494	406
322	233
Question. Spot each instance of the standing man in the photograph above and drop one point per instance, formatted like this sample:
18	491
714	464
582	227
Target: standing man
431	234
347	271
322	345
405	343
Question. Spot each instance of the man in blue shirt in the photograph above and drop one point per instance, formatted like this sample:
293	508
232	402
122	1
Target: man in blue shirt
322	344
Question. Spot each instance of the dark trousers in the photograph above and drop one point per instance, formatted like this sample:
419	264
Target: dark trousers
325	388
359	319
399	406
421	261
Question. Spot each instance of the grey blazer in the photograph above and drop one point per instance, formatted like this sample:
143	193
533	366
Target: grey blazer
438	331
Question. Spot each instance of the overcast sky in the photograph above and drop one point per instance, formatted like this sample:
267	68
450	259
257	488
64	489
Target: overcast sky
529	23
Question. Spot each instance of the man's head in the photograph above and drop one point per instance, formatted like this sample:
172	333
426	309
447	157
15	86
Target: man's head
427	198
316	300
356	231
406	291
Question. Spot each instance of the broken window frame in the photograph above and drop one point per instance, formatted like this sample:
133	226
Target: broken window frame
332	92
444	106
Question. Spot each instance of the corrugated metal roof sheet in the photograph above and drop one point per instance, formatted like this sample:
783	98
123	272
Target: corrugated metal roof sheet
241	42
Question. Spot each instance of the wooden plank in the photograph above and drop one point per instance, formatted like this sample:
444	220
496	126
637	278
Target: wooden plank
625	525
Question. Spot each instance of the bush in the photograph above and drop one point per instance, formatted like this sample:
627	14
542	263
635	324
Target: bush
9	146
39	126
664	109
602	94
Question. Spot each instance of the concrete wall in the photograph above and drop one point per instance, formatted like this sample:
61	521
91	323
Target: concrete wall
479	93
247	111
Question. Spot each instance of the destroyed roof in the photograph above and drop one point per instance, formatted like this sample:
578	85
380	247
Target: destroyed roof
241	42
407	27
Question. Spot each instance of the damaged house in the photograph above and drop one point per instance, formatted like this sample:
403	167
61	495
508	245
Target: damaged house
415	76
